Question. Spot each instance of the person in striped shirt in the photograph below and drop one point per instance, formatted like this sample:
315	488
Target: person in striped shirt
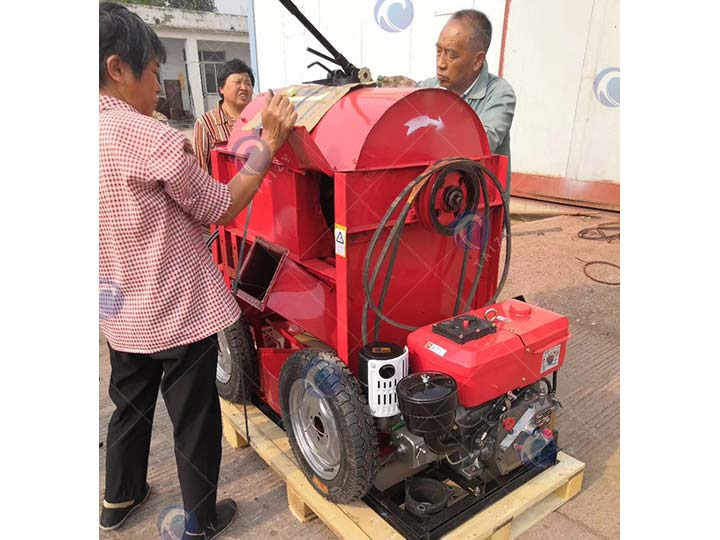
212	129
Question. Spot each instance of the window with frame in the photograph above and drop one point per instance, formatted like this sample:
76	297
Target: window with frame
210	62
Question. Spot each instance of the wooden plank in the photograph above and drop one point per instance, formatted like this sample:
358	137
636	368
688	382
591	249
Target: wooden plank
484	524
231	435
536	514
369	521
572	488
503	532
298	508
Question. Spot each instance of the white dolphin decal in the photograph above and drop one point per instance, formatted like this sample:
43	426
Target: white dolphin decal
423	121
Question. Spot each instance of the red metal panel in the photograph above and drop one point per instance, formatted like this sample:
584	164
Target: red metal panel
271	362
305	300
286	209
378	128
495	364
425	126
428	265
342	282
372	128
394	134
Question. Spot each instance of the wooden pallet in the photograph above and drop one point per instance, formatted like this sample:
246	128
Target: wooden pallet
506	519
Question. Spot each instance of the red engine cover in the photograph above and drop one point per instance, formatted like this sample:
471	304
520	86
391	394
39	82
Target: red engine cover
529	344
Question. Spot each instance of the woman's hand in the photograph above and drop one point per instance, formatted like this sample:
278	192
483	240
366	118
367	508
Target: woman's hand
278	120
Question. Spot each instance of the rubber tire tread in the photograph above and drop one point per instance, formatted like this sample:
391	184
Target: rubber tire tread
356	424
243	354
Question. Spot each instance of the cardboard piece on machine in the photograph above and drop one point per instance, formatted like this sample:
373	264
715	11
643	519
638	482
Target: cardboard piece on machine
311	102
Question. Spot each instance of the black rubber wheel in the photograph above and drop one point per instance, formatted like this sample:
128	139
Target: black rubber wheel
236	354
338	447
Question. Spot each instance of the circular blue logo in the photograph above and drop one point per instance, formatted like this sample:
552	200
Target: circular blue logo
111	299
256	151
171	523
394	15
607	87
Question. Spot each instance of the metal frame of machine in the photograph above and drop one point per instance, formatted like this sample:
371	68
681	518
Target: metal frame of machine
341	266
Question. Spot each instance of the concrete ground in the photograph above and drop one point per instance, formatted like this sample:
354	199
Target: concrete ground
546	270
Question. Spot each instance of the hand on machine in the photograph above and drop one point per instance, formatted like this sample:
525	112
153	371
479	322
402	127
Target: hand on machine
278	119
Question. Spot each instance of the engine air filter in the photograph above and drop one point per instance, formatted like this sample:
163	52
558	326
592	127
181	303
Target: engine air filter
427	401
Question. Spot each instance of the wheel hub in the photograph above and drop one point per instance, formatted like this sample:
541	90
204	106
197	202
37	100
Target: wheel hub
224	360
315	429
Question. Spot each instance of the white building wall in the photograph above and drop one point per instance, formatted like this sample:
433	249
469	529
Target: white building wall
191	31
191	20
174	68
544	63
553	54
595	148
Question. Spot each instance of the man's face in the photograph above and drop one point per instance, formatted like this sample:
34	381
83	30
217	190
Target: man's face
238	90
457	65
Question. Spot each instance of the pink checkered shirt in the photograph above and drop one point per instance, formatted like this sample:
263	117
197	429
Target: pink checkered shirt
159	287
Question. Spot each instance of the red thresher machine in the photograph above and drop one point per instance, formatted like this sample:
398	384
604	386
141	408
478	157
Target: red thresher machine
367	270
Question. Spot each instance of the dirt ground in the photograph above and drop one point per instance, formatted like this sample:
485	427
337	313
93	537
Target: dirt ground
545	268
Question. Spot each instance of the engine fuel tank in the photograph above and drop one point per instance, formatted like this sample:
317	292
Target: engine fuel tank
493	350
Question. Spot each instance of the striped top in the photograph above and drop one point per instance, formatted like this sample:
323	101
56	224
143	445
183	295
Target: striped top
212	130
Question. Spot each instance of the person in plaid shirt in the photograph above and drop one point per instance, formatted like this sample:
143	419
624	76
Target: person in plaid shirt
162	299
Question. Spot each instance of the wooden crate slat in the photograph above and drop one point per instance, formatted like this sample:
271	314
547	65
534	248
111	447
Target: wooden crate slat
525	497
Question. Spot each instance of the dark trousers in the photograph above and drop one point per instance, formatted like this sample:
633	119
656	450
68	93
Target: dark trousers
186	377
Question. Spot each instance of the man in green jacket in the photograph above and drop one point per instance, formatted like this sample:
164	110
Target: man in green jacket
462	68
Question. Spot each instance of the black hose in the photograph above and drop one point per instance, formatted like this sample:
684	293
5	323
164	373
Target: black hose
443	445
366	267
214	236
598	232
597	280
388	275
463	269
236	283
476	173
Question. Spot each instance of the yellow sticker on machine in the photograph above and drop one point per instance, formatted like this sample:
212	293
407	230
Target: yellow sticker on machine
340	240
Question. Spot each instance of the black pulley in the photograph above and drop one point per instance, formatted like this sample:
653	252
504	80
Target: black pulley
428	401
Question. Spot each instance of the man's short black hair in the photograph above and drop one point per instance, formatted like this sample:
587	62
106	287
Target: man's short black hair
481	28
231	67
124	33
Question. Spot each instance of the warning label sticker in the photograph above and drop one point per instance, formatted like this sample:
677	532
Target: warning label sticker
551	358
437	349
340	240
